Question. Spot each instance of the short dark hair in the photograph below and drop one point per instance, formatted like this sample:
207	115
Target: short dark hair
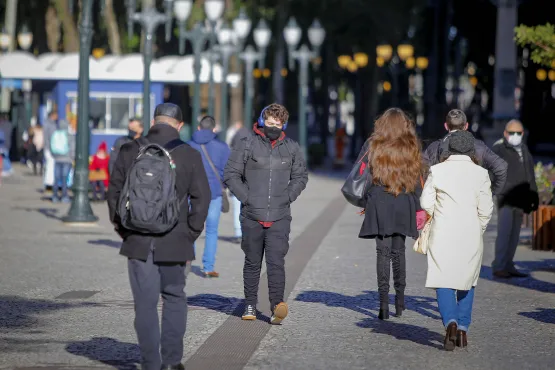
138	120
207	123
278	111
456	119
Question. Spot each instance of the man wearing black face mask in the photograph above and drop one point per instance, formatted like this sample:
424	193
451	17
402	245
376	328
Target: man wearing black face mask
135	128
266	172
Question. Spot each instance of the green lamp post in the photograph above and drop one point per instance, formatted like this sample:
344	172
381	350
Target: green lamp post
149	19
316	36
213	10
80	210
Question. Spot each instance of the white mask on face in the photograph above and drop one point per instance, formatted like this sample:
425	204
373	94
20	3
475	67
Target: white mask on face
515	140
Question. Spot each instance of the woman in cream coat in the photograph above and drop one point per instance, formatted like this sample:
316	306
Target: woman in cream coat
457	195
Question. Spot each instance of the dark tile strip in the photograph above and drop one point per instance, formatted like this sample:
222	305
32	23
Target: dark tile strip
231	346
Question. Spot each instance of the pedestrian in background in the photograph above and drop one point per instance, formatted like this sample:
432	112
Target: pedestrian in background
519	196
215	154
62	148
6	130
134	131
266	172
50	125
457	196
456	121
36	148
394	159
156	262
99	174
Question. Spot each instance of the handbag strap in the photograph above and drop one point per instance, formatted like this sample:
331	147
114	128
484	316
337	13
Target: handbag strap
203	147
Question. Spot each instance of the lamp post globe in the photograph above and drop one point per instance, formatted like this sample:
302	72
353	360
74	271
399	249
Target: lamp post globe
225	35
5	40
25	38
262	35
292	33
316	34
242	25
405	51
384	51
214	9
182	9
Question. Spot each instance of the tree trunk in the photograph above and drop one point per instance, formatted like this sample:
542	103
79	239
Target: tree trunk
71	38
114	39
52	29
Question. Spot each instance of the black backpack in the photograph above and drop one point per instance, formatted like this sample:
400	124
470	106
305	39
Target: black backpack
148	202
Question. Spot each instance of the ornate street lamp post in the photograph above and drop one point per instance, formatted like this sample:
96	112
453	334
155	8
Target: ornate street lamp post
304	55
149	19
226	48
214	10
80	210
25	40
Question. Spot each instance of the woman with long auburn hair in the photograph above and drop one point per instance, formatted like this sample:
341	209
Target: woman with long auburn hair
394	159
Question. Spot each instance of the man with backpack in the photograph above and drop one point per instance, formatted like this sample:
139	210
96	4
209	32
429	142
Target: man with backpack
62	148
266	172
215	154
158	200
456	121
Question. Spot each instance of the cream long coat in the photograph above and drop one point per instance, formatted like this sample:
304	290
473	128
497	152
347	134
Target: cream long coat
457	194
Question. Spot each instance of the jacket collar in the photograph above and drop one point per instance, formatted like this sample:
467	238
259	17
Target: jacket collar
162	133
459	157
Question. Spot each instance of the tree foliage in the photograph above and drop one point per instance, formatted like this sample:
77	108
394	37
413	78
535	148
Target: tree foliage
541	39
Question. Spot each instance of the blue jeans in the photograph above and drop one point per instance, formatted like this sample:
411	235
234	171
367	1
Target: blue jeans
61	173
455	306
211	241
7	168
236	214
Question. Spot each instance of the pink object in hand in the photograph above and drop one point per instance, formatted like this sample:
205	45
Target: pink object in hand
421	218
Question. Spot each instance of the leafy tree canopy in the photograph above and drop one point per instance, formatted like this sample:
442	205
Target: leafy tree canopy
541	39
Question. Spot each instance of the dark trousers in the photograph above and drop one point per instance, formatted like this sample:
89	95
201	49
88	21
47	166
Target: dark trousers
98	189
391	251
149	280
272	241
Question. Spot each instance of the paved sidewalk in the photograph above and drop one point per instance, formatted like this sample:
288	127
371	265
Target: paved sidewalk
65	300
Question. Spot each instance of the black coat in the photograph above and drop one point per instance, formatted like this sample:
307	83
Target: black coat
177	245
520	189
270	180
115	151
486	158
386	214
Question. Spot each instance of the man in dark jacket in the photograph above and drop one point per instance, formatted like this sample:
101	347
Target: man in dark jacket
156	264
266	172
135	130
519	196
214	157
455	121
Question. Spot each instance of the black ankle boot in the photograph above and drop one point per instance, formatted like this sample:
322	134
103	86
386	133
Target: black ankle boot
384	310
399	304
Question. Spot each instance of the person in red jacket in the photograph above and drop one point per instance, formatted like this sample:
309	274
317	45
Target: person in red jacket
99	172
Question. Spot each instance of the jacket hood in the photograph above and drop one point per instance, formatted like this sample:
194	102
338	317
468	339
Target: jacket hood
203	136
259	131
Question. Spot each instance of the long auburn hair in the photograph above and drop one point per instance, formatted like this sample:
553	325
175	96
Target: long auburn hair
395	154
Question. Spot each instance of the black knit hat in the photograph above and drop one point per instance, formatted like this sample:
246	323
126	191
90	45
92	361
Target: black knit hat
461	142
169	110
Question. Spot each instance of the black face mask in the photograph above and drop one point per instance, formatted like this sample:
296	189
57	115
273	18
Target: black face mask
131	134
272	133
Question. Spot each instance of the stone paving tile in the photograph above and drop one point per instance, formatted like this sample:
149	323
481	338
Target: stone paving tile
333	315
42	259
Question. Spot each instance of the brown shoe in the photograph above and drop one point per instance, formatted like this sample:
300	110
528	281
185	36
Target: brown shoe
211	274
279	313
502	274
450	337
461	339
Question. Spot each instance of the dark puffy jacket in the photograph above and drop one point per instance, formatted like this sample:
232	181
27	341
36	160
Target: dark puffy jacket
496	166
218	152
520	190
177	245
266	178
